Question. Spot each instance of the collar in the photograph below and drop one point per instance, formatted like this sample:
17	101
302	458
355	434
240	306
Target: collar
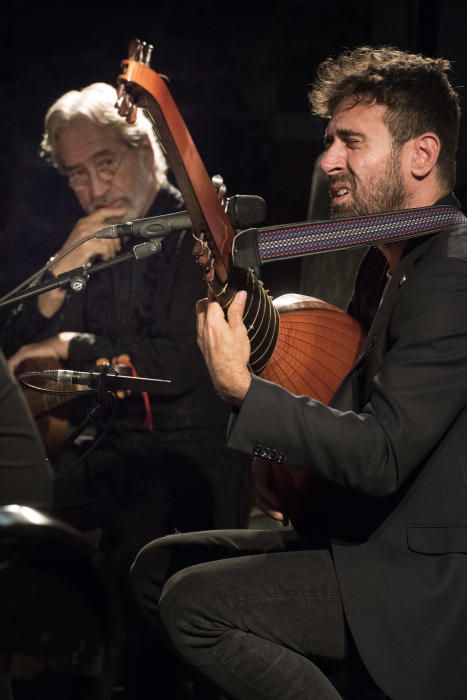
412	243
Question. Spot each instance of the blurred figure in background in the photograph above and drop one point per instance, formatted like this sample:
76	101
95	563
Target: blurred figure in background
162	465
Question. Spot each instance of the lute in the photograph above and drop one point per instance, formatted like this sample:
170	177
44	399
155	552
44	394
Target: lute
304	344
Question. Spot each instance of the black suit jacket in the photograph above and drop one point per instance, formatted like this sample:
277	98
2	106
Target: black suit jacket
393	448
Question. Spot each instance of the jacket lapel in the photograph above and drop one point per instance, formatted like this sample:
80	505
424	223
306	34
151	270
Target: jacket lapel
354	391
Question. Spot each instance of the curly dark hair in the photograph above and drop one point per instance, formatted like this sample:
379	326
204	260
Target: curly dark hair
415	89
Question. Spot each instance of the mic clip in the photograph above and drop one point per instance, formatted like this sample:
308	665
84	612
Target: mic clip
245	252
76	279
99	378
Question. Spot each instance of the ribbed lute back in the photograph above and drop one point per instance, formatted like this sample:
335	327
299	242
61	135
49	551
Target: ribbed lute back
316	346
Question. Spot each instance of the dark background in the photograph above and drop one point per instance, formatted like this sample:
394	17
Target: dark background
239	74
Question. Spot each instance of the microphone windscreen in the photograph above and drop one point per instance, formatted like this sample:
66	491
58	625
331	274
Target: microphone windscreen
246	210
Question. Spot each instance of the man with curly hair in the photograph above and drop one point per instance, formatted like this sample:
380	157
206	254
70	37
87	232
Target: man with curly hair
375	583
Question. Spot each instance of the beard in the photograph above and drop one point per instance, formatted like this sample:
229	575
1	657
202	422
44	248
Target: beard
384	192
134	197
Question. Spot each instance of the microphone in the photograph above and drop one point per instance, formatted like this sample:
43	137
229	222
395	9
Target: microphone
243	210
96	379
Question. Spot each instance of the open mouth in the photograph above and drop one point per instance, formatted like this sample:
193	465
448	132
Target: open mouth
340	193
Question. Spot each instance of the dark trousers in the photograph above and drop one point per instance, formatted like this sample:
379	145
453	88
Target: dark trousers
136	493
256	613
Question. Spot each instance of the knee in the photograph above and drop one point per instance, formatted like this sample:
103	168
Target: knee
148	574
186	610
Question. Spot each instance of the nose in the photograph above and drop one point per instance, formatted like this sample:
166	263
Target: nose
97	187
333	160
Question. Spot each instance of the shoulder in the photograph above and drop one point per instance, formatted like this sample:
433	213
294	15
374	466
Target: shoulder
433	277
167	200
446	250
452	243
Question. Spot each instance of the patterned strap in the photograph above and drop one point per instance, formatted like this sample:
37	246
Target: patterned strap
257	246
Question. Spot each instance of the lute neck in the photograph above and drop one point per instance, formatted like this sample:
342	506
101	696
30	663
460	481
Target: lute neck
141	86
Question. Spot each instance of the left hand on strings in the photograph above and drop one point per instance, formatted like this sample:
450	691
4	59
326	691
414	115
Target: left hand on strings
225	346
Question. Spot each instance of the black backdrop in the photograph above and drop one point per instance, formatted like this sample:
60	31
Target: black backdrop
239	74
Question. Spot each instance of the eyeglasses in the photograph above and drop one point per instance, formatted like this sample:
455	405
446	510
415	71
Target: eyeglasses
105	168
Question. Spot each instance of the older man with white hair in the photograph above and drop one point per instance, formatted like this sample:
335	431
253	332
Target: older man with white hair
162	465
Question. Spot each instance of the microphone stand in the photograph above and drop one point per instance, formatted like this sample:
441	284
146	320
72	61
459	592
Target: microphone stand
100	385
77	278
104	402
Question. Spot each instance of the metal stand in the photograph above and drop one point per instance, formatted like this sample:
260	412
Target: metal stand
77	278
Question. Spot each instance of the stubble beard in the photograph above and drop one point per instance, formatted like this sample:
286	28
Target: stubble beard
385	193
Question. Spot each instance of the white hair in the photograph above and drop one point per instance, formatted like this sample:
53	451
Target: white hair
96	102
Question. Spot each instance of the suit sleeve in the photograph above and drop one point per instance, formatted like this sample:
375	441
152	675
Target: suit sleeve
419	390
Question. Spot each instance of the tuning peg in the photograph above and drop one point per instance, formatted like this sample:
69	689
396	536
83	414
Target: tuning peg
134	49
221	187
148	49
125	106
140	51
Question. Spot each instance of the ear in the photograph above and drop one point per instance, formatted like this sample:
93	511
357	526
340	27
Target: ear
425	153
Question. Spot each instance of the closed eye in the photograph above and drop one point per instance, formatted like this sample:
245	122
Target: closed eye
352	143
106	161
75	174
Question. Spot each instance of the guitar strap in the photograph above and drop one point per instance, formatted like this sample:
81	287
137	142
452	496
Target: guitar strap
254	247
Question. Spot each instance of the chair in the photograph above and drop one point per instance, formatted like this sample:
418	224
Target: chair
60	616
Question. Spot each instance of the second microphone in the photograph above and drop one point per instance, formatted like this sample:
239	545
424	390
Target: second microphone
243	210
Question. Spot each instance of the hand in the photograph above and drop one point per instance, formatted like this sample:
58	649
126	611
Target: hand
56	348
225	346
49	303
106	248
265	496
